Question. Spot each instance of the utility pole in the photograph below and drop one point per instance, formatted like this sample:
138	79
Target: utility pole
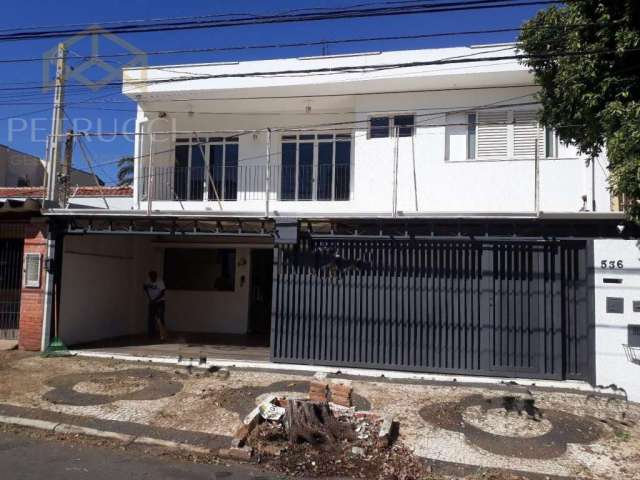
65	176
53	155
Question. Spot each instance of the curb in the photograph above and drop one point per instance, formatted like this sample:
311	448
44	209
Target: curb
54	427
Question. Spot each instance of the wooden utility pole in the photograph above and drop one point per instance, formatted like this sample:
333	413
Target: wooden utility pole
65	175
55	141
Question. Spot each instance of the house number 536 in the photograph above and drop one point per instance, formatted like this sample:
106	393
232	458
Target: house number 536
611	264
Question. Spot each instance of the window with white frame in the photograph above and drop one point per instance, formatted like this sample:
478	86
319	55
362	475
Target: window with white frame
508	134
205	169
316	166
401	125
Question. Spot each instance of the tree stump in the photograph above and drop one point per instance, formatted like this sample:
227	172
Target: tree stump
313	422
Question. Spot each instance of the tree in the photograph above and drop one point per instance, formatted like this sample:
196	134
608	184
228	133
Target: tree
125	171
585	56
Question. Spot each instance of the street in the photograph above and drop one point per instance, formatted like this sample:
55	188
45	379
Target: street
22	457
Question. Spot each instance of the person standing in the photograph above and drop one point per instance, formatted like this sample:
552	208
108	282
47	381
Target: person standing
155	290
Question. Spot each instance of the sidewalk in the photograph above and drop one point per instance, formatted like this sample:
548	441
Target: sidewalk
574	434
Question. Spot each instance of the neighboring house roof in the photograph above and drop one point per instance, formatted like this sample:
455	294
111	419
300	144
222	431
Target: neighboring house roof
89	191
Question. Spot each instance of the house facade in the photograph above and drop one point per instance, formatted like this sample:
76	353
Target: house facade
396	210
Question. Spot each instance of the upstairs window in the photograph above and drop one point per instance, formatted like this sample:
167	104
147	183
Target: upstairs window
388	126
205	169
316	167
504	134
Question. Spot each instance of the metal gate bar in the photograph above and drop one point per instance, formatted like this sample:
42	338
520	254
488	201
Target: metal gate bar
10	287
498	308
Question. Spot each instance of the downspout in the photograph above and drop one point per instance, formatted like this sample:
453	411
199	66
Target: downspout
394	207
593	184
150	176
536	175
267	180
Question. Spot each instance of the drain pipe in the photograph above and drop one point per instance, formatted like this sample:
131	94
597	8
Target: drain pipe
536	177
267	179
394	209
150	178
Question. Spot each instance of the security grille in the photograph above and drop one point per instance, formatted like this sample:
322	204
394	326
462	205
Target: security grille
10	283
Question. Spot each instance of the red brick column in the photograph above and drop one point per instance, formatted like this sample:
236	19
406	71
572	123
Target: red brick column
32	299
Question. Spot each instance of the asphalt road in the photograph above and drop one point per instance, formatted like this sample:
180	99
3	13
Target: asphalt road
26	458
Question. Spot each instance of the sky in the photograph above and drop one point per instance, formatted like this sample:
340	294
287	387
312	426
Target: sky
25	114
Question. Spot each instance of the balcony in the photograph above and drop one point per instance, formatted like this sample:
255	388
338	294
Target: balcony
291	183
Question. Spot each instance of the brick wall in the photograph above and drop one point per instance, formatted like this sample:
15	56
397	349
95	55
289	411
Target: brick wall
32	299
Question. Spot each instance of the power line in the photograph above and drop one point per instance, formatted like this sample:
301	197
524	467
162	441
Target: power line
316	43
192	76
345	13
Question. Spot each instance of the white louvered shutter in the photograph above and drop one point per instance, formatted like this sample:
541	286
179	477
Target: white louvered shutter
525	128
492	135
32	270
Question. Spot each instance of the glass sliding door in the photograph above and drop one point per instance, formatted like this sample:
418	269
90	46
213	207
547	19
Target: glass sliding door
206	168
343	167
180	175
288	169
325	167
305	167
316	167
197	172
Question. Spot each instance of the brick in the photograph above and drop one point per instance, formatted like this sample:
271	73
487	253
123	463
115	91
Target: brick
318	391
341	393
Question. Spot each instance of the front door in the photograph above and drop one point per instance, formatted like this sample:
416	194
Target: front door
261	284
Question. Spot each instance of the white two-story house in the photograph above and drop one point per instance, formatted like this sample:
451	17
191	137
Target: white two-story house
392	210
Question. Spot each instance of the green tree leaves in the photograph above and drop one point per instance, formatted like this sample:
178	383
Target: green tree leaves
586	59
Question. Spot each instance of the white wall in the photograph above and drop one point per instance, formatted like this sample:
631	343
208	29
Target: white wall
612	365
102	294
441	184
97	285
212	311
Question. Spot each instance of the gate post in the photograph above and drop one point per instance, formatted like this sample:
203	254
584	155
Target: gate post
486	306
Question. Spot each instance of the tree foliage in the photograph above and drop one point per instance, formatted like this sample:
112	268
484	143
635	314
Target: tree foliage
586	58
125	171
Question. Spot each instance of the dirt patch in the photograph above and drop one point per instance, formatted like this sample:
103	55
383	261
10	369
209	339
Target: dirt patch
242	400
85	389
359	458
488	432
499	421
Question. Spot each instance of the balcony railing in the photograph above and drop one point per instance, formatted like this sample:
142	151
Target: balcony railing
246	183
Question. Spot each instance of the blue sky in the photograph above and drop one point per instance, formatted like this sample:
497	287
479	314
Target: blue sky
34	105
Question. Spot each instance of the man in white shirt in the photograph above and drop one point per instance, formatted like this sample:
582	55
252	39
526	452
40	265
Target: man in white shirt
155	291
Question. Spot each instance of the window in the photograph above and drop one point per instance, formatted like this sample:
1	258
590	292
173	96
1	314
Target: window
471	135
205	169
382	127
200	269
550	143
404	125
526	134
492	135
316	167
379	127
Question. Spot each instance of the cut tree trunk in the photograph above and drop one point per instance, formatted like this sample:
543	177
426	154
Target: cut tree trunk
314	422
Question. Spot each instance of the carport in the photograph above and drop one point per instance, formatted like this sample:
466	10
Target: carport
217	274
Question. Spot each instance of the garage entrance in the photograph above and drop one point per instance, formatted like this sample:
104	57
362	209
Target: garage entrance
210	309
10	287
504	308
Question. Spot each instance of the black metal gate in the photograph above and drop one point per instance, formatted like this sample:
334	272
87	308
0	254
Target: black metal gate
512	308
10	286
